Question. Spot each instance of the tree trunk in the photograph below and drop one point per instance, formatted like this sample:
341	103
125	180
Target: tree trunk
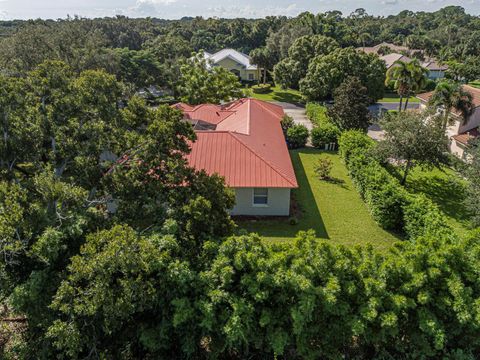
405	174
400	105
445	120
264	76
406	104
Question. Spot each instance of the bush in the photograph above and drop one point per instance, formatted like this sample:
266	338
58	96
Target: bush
390	204
297	136
324	134
324	130
293	221
422	217
317	113
322	168
262	88
286	123
353	141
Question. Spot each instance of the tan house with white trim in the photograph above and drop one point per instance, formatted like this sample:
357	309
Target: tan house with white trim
461	131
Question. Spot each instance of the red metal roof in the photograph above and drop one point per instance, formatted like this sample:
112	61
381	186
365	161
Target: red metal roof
247	148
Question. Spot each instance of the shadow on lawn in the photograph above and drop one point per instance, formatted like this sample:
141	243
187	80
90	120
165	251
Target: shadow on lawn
447	192
288	97
304	208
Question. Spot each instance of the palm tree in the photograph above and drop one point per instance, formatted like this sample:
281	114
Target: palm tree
418	79
364	38
400	73
452	96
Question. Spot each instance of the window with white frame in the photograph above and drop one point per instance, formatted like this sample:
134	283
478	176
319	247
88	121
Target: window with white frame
250	77
260	197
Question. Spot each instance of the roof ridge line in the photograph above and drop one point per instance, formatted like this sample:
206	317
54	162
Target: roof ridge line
279	172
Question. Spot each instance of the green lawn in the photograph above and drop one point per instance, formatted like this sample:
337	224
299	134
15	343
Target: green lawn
392	97
279	94
446	189
475	84
333	209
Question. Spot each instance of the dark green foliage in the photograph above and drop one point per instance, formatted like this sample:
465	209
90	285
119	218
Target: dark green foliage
261	88
297	136
390	204
286	123
326	73
199	85
289	71
472	173
324	134
350	108
416	138
324	131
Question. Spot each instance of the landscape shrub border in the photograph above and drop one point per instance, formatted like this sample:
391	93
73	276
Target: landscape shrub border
324	131
392	207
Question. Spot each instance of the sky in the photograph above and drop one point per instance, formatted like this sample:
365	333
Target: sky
174	9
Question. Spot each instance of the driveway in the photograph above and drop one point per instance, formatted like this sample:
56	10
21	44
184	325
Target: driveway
297	112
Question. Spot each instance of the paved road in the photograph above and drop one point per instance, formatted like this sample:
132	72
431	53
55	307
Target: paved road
297	112
385	106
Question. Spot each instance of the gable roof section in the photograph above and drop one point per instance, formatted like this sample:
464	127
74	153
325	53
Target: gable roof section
390	59
425	97
235	55
223	153
247	148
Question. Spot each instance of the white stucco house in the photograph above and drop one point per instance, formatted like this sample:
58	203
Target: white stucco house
238	63
462	131
244	143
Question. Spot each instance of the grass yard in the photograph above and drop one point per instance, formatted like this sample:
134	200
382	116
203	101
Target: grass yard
279	94
446	189
475	84
333	209
392	97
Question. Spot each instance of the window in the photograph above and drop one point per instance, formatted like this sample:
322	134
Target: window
250	77
260	197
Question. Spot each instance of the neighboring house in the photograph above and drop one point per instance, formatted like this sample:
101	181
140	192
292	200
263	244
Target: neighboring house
236	62
461	131
393	48
435	70
391	59
243	142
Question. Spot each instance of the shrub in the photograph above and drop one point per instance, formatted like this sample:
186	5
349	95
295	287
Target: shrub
324	134
261	88
323	167
287	122
293	221
352	141
317	113
297	136
385	201
422	217
390	204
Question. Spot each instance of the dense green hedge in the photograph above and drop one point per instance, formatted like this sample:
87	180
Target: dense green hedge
389	203
324	131
262	88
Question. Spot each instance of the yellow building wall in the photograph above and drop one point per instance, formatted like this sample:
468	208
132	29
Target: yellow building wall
230	65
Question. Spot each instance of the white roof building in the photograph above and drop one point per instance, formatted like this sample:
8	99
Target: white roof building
234	55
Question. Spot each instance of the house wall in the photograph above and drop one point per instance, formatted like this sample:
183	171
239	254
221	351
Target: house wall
457	149
473	122
278	203
436	74
231	64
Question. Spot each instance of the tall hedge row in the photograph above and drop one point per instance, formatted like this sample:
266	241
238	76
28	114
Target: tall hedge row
390	204
324	131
